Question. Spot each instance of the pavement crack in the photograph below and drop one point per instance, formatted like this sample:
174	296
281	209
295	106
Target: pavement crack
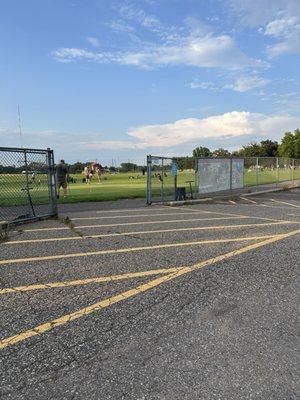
68	222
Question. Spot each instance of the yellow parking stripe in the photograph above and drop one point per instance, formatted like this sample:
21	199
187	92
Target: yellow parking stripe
238	215
130	249
285	202
133	292
79	282
103	235
134	216
133	223
249	200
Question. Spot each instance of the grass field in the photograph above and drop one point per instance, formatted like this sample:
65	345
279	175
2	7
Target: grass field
117	186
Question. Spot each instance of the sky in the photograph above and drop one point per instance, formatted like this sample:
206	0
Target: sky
115	80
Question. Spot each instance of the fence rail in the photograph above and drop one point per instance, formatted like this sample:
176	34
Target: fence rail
178	178
27	184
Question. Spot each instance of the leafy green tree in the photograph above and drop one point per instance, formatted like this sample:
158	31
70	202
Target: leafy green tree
297	143
221	153
128	167
287	146
268	148
251	150
185	163
201	152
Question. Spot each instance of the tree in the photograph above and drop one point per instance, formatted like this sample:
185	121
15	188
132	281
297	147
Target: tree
268	148
251	150
128	167
201	152
221	153
185	163
297	143
287	146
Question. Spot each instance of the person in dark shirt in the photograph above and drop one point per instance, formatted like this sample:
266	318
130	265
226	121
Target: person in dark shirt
62	177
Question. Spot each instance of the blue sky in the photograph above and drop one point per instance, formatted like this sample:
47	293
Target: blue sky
111	79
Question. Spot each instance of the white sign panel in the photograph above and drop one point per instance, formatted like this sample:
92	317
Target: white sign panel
214	174
238	173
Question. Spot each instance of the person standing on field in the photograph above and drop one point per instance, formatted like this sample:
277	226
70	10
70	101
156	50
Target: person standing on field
62	177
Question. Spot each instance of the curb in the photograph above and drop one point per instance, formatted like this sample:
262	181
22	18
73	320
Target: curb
3	230
227	197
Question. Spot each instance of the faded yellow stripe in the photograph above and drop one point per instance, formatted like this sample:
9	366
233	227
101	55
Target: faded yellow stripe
130	249
79	282
241	215
133	292
285	202
103	235
132	223
135	216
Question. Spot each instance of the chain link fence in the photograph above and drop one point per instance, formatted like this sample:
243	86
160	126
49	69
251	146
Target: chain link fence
27	184
180	178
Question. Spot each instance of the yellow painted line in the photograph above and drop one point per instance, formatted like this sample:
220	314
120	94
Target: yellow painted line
103	235
134	216
80	282
270	206
133	223
249	200
132	210
285	202
38	330
239	215
130	249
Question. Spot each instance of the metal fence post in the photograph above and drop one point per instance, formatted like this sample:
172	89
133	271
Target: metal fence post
277	171
149	178
230	173
27	184
257	166
52	183
162	179
293	167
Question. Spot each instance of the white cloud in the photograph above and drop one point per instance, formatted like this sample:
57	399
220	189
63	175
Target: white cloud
288	29
231	125
120	26
203	85
93	41
205	51
256	13
110	144
240	84
278	19
138	15
282	27
246	83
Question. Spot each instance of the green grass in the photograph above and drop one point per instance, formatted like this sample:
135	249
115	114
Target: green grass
113	187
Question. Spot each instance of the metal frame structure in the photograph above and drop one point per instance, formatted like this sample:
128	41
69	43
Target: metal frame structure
24	198
166	190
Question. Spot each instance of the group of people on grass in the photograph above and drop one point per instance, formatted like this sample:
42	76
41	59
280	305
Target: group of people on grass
62	175
91	170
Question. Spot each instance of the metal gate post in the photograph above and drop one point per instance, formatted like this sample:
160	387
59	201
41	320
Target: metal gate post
257	165
162	179
27	184
149	179
277	173
52	183
231	174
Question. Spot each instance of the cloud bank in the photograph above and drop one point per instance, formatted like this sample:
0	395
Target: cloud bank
192	130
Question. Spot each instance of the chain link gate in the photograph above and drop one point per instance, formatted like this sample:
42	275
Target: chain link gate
27	184
179	178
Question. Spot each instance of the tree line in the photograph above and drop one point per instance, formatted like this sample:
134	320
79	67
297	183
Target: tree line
288	147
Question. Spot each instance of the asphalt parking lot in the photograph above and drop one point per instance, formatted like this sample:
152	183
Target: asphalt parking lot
123	301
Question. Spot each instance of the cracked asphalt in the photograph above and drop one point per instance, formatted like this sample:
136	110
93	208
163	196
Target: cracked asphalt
159	303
